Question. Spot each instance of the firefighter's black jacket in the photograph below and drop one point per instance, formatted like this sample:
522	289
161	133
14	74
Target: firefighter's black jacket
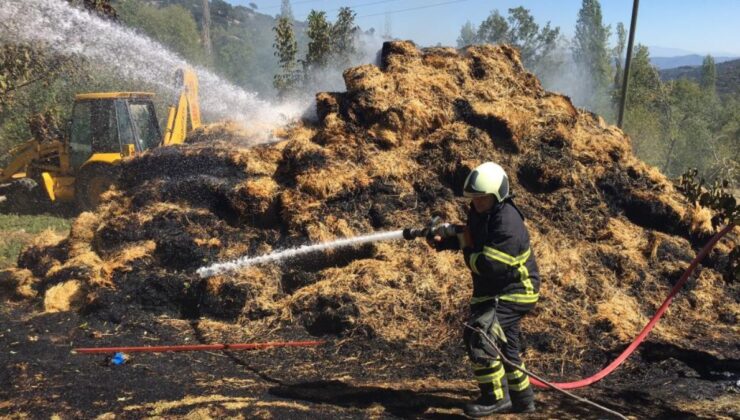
500	257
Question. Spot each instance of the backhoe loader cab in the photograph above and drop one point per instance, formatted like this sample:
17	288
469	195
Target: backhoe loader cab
112	123
103	129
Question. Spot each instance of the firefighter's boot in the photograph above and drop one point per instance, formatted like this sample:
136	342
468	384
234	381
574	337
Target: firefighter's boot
494	392
522	401
520	391
487	404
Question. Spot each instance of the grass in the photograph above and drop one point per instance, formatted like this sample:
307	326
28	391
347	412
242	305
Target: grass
18	230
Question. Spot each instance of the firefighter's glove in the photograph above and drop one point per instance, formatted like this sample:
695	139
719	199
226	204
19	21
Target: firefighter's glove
439	237
447	236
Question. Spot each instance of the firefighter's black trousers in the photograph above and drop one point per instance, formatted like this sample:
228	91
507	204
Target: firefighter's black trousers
501	321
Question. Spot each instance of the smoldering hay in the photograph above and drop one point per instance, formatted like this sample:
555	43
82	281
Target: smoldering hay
610	232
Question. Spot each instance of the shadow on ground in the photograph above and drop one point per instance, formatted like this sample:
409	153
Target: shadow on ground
400	402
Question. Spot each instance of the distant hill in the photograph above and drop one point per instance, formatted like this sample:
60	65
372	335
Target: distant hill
663	63
728	76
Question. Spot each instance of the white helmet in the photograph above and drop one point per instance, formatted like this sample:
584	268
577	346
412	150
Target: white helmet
488	178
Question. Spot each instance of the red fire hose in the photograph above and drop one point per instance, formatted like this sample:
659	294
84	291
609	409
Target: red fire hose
641	337
197	347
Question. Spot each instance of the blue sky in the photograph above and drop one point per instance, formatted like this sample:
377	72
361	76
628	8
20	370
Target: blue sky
703	27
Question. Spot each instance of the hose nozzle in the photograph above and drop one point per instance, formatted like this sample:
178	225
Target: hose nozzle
434	228
413	233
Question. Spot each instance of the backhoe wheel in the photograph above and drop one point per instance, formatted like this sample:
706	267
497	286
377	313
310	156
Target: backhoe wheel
91	182
23	196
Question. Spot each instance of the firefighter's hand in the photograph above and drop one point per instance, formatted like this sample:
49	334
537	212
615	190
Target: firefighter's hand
434	241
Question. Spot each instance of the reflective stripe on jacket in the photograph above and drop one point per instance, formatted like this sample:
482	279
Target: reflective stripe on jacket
500	259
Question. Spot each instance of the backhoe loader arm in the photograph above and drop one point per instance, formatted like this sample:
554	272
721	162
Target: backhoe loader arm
25	154
183	115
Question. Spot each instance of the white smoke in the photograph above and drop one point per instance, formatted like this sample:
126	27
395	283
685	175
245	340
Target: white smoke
330	79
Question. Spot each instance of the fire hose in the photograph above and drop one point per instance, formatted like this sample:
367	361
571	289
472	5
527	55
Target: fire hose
643	334
196	347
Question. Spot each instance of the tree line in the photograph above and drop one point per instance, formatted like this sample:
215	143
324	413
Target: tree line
674	125
329	45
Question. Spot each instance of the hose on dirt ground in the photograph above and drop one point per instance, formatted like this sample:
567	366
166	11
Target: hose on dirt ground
643	334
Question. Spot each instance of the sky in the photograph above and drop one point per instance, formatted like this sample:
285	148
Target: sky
669	27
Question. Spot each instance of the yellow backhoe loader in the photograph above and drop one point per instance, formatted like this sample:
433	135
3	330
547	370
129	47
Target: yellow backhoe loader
104	128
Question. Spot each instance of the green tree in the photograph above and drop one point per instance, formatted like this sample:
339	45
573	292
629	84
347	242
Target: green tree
233	55
680	124
343	34
467	36
645	115
645	85
521	31
319	43
687	130
494	29
590	52
617	56
709	74
23	65
206	25
724	143
286	49
172	26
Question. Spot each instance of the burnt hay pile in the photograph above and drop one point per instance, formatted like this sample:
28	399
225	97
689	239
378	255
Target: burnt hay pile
611	234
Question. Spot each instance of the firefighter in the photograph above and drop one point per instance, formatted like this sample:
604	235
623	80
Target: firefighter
495	244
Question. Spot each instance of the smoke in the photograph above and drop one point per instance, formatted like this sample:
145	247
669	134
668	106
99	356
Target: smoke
559	72
330	79
65	30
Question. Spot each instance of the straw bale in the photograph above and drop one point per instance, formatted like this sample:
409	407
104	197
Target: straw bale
701	220
82	233
47	238
399	56
67	296
18	283
256	200
43	252
329	181
623	315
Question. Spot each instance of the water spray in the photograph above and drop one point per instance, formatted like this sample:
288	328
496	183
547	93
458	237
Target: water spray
247	261
433	228
56	26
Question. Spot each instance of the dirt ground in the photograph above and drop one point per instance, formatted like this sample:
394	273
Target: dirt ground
352	377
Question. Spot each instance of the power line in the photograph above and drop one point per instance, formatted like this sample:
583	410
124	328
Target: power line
291	4
361	5
390	12
366	4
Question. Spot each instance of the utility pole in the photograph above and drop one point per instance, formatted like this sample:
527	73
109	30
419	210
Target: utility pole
625	81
